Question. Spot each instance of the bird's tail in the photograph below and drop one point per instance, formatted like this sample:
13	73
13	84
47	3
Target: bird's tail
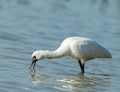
105	54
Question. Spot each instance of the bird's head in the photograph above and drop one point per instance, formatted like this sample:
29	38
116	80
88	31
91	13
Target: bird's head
37	55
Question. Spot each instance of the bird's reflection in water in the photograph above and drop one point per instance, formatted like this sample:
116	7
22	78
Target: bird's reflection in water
72	82
39	78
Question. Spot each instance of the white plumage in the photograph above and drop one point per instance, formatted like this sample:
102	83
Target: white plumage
79	48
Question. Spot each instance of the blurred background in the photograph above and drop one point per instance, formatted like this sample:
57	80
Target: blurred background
28	25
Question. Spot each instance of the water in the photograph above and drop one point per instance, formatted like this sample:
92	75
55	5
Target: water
28	25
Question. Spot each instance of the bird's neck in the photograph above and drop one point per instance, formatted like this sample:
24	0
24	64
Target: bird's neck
53	54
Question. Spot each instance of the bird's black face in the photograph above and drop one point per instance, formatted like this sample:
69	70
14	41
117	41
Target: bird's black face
32	66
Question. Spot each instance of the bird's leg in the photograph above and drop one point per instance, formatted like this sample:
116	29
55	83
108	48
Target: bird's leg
81	66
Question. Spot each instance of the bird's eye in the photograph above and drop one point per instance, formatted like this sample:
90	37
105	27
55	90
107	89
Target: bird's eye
34	57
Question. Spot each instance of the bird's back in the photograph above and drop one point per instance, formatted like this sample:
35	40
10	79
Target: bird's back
83	48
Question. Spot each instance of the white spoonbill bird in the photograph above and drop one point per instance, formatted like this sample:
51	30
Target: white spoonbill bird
79	48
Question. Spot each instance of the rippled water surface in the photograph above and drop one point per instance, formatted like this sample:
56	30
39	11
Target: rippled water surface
28	25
